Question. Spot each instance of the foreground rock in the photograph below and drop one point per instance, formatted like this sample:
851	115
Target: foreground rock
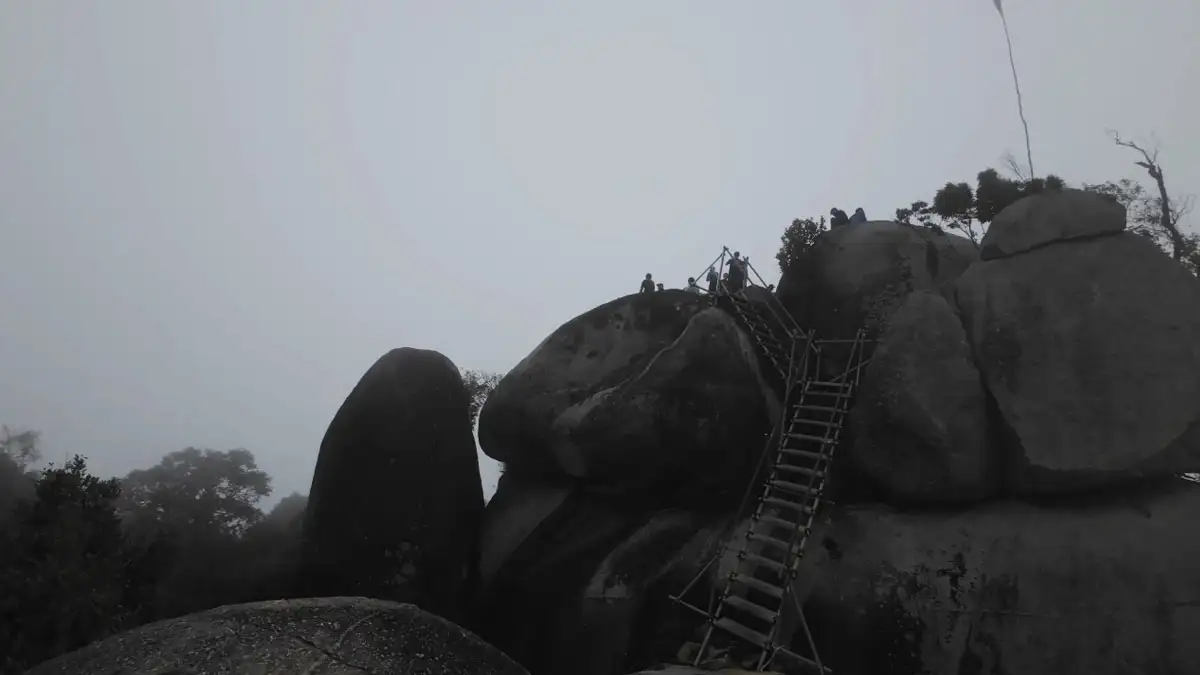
661	400
1103	589
396	499
856	275
331	636
1048	217
920	420
1090	351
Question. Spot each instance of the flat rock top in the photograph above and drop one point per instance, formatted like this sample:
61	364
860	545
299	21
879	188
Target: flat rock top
318	636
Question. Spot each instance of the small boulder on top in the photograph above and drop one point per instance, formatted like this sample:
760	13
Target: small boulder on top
1047	217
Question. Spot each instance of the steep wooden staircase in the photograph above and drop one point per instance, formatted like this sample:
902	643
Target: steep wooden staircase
755	595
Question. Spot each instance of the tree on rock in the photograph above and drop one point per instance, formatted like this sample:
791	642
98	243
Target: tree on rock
1156	216
958	206
479	384
798	238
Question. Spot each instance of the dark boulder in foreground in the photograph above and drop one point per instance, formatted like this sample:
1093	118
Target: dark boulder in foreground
396	501
329	636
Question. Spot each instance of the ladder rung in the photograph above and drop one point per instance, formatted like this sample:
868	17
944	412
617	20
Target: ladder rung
758	585
753	637
831	385
818	423
796	488
809	437
818	408
770	541
826	393
764	562
775	501
805	454
780	522
802	470
760	612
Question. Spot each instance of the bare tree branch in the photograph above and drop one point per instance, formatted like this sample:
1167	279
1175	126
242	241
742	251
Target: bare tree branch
1013	166
1168	217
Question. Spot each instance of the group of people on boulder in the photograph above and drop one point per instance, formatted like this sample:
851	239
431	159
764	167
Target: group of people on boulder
734	280
839	217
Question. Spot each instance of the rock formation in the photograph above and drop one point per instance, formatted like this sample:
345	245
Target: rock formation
922	414
396	499
1018	429
856	276
331	636
1091	349
650	396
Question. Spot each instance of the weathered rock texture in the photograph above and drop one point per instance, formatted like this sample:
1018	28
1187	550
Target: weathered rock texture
856	275
531	606
396	499
331	636
673	413
1091	349
921	413
1104	589
594	352
512	515
1047	217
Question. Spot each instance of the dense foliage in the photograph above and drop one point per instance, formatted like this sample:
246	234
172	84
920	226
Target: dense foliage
83	557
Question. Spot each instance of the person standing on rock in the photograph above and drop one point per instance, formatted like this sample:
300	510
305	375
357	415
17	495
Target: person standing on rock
737	272
859	216
837	217
659	288
692	286
647	284
712	280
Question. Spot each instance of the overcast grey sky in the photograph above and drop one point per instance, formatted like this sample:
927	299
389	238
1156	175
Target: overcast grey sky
216	215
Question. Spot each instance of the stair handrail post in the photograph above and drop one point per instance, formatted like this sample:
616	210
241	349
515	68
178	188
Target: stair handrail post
781	314
720	269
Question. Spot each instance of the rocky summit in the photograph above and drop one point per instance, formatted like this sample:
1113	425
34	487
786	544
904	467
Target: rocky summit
1005	496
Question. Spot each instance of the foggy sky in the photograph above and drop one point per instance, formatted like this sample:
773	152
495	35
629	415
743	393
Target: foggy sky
216	215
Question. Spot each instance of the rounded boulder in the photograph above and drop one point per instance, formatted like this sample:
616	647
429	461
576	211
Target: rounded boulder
331	636
396	501
667	408
1091	350
921	422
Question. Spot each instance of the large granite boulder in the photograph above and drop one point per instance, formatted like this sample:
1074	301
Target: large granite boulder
531	606
921	423
652	394
1091	350
396	499
594	352
513	513
854	276
1106	587
331	636
1047	217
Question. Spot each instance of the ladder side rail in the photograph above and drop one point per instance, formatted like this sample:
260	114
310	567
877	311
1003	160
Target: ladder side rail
781	313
